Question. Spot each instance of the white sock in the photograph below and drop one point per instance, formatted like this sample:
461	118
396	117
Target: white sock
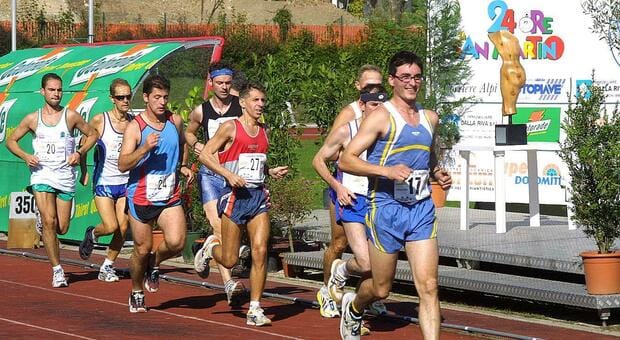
108	263
228	284
254	304
342	270
94	236
56	268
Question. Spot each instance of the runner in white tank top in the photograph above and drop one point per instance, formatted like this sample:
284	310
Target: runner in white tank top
109	183
53	178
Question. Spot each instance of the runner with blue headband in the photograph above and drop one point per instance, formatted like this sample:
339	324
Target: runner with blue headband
219	108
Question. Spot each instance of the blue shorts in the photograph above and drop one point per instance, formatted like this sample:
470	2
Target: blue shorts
241	204
211	185
332	195
111	191
352	213
390	225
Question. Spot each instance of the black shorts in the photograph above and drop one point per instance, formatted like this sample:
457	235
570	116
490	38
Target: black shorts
147	213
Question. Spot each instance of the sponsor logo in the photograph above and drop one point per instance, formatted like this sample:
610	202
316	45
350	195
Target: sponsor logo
550	176
4	114
545	90
537	124
583	88
110	64
30	66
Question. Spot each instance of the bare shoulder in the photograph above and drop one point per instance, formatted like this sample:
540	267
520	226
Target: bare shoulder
196	114
432	116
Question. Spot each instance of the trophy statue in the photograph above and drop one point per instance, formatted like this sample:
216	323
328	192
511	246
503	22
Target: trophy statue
512	78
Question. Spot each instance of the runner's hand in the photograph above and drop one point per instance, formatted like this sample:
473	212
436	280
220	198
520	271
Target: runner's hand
31	160
278	172
398	172
189	175
444	179
151	141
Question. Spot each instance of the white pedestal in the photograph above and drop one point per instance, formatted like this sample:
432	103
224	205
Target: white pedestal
499	155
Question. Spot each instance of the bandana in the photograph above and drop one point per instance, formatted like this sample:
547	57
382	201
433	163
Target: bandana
221	72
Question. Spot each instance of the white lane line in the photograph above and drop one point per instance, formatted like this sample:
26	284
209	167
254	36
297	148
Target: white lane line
60	291
46	329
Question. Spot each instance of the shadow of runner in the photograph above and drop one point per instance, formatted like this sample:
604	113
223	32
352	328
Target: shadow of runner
192	302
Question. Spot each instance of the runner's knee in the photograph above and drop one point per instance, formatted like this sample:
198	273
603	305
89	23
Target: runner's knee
382	291
427	287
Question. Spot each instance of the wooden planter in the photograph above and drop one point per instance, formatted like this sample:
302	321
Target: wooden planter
602	272
438	195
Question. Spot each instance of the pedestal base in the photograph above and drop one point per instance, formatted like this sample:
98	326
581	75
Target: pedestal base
510	134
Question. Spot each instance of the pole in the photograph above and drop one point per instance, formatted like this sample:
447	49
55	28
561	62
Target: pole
91	20
13	25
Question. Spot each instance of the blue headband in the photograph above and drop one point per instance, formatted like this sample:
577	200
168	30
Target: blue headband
374	97
221	72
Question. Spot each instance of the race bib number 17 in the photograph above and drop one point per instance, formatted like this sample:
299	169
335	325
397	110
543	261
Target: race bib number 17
413	189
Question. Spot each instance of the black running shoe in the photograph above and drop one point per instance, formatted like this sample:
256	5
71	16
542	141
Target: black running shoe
88	243
136	302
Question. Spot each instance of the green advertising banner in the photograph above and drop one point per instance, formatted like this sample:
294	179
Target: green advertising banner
543	123
87	72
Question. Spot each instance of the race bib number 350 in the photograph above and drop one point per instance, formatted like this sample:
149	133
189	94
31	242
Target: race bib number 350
413	189
252	167
159	187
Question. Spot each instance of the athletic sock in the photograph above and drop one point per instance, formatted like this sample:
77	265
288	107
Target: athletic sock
56	268
108	263
254	304
342	270
94	236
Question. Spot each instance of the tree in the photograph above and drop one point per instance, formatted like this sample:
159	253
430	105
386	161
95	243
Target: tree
444	66
605	19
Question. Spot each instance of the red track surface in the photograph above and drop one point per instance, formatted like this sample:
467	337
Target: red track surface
89	308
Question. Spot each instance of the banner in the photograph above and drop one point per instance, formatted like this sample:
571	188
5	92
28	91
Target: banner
559	52
87	72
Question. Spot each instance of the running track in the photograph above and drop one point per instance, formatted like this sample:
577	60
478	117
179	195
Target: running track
91	309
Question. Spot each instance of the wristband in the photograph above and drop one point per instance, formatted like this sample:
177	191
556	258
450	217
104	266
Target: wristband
79	153
194	145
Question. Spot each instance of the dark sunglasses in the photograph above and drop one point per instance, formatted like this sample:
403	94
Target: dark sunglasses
128	97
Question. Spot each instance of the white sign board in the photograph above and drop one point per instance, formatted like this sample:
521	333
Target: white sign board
22	205
559	54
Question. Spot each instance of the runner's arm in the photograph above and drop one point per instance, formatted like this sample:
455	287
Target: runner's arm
131	154
27	124
209	154
195	119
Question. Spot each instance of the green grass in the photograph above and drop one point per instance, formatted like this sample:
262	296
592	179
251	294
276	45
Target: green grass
304	165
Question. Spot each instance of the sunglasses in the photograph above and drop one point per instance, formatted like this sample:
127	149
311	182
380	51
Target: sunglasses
128	97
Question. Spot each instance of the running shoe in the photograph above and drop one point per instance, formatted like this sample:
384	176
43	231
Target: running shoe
234	294
136	302
336	283
256	317
350	325
244	252
151	278
58	279
327	305
108	274
88	243
38	224
203	256
377	308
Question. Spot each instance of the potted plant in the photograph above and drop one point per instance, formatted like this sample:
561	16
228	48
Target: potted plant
591	152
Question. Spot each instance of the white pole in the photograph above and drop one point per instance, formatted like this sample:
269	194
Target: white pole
13	25
91	15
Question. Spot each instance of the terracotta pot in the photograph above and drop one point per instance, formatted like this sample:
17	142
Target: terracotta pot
438	195
602	272
158	238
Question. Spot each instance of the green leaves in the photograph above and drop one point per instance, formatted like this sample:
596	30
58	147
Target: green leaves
591	152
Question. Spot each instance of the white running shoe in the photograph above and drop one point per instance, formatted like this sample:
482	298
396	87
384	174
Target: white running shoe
256	317
244	252
203	256
108	274
336	283
234	294
327	305
350	326
58	279
377	308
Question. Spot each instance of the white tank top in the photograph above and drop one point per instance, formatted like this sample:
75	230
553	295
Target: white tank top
357	109
53	145
357	184
108	151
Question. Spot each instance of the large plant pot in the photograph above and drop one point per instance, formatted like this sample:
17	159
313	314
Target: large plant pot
190	239
602	272
438	195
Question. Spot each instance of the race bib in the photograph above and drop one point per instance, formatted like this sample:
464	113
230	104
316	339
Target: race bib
252	167
48	150
160	187
413	189
357	184
214	124
115	151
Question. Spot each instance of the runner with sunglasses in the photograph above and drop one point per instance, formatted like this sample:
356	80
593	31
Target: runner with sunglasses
109	183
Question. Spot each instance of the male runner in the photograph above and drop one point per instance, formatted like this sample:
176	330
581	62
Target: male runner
52	179
151	151
238	152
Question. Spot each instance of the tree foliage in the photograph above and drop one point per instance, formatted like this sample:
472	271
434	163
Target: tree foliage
591	152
